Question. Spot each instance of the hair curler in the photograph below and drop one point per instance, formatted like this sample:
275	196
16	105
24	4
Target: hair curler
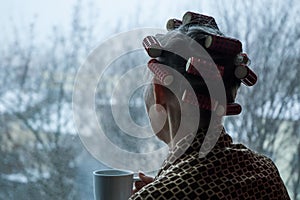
206	68
206	103
160	72
200	100
196	18
233	109
173	24
246	75
152	46
223	45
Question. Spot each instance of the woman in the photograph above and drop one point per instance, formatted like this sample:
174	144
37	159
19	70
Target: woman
203	163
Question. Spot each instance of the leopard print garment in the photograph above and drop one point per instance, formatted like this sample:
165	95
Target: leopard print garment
228	171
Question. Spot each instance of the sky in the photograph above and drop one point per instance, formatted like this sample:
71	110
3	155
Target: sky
48	13
45	14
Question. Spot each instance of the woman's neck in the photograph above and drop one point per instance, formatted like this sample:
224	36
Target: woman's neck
184	129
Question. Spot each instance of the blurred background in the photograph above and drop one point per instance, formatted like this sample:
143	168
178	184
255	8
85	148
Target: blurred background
43	44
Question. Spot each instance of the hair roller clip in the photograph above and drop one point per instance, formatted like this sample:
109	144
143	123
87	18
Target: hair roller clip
160	72
242	58
173	24
246	75
187	97
224	45
152	46
196	18
206	67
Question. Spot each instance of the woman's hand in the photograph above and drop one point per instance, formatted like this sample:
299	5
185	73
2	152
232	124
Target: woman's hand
145	180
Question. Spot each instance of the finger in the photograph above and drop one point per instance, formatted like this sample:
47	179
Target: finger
141	173
145	179
134	191
139	184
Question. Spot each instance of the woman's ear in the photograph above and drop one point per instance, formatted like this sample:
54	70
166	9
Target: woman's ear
159	94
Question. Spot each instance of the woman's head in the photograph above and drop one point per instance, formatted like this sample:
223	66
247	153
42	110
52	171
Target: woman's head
175	51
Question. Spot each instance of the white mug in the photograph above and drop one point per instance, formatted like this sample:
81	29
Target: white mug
112	184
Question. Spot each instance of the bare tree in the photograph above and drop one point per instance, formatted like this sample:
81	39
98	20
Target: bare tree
38	141
269	123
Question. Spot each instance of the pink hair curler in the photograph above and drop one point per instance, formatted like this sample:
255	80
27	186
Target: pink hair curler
206	68
196	18
233	109
246	75
160	72
152	46
206	103
223	45
173	24
200	100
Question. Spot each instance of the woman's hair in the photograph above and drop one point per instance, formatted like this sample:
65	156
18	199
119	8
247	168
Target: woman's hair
221	60
198	33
